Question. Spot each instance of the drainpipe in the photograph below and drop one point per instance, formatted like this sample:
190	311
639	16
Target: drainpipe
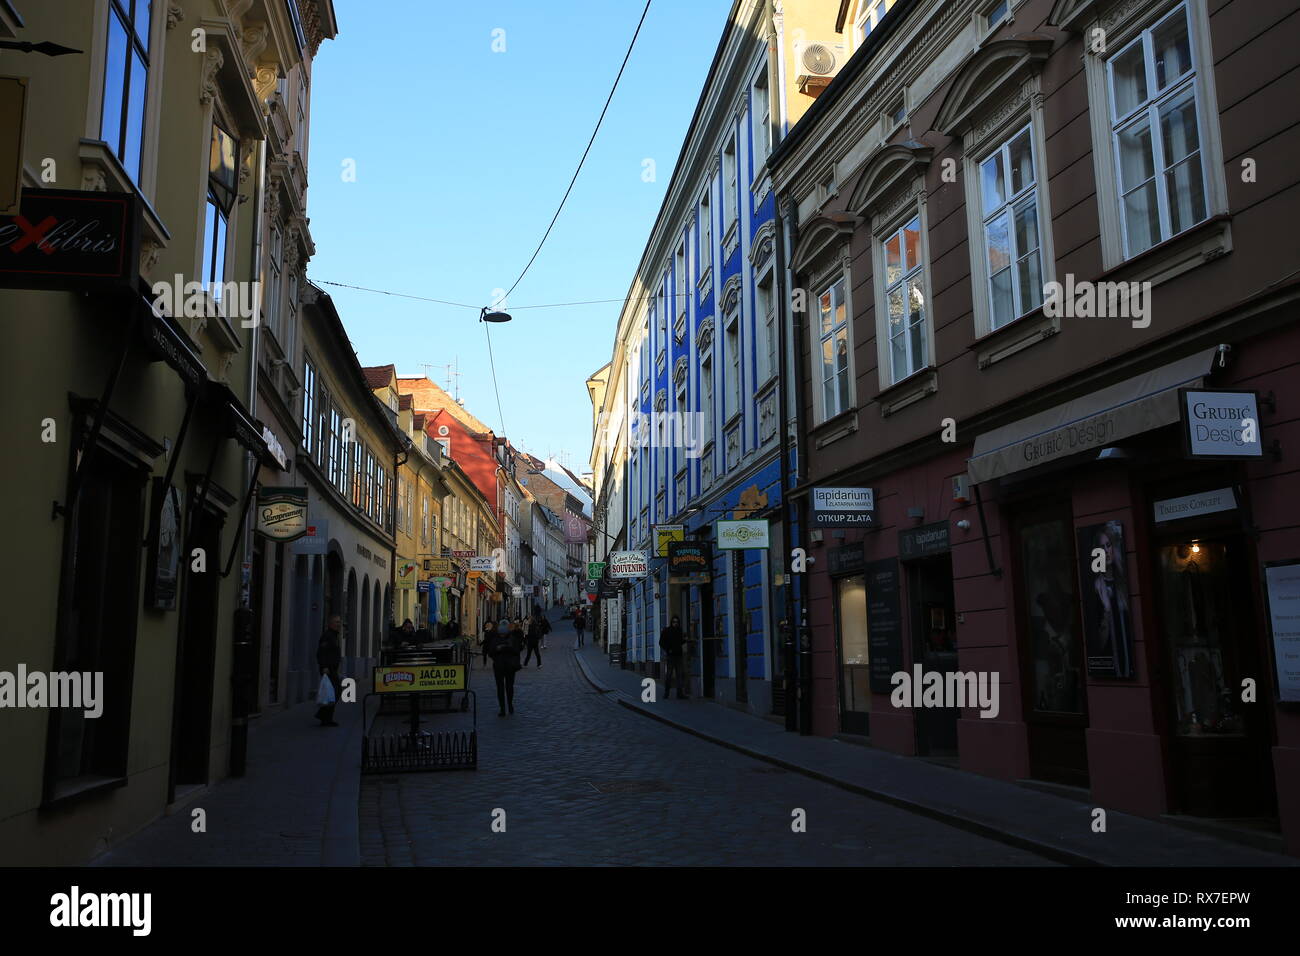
803	630
787	524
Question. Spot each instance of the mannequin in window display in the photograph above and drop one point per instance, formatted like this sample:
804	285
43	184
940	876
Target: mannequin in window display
1111	590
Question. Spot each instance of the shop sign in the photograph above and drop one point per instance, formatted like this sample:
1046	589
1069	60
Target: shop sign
462	555
1218	423
665	533
1190	506
315	539
628	564
70	239
487	565
884	623
849	558
404	680
844	507
282	513
922	542
595	569
439	566
407	574
738	535
690	562
424	587
517	591
1282	582
275	449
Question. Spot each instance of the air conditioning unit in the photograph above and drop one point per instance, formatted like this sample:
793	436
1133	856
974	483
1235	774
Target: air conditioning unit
816	64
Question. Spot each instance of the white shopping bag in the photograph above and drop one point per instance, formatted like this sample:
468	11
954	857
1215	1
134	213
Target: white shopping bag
325	693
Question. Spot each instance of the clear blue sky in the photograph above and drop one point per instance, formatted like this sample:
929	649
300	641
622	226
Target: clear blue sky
462	155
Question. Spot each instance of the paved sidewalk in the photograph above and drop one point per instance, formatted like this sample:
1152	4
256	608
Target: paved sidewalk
295	806
1053	826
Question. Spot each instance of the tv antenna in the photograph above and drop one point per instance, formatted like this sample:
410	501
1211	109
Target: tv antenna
451	376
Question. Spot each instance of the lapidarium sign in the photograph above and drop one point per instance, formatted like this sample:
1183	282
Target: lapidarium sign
282	513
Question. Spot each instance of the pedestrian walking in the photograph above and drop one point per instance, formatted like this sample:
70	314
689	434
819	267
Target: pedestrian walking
504	651
579	623
671	642
533	640
329	655
489	629
546	629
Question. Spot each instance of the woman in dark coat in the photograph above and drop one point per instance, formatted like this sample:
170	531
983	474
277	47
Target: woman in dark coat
489	628
504	650
329	655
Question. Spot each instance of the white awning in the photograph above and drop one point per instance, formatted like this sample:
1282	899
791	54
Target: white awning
1091	421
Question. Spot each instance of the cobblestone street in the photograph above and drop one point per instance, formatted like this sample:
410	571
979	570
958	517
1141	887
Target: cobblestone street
585	782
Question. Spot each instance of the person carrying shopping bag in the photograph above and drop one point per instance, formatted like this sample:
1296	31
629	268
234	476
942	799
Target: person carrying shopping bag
329	655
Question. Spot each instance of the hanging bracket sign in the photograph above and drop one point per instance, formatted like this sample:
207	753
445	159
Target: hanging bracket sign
282	513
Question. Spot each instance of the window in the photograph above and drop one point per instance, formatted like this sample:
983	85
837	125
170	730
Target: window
368	495
323	429
682	285
729	184
126	81
223	184
870	13
904	286
97	631
706	234
826	187
896	114
336	449
706	397
733	366
995	12
308	404
272	311
834	331
300	125
767	325
1157	137
1008	186
762	117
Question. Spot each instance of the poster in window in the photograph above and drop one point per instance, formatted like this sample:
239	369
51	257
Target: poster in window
164	548
1107	622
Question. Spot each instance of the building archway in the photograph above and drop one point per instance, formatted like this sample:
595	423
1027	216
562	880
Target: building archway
363	635
352	610
377	611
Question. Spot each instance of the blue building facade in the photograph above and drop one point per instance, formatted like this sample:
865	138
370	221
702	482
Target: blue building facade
703	351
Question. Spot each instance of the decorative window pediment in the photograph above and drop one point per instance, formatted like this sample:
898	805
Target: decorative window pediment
828	232
679	370
730	294
704	334
885	172
764	241
661	399
988	82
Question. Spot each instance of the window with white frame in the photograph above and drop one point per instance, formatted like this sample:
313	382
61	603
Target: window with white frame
833	329
1008	185
762	117
126	82
706	233
994	12
869	16
907	309
1153	86
729	184
733	356
308	404
682	285
336	448
767	327
706	397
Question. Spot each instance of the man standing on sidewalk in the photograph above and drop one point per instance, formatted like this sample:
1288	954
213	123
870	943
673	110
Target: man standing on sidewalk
671	642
